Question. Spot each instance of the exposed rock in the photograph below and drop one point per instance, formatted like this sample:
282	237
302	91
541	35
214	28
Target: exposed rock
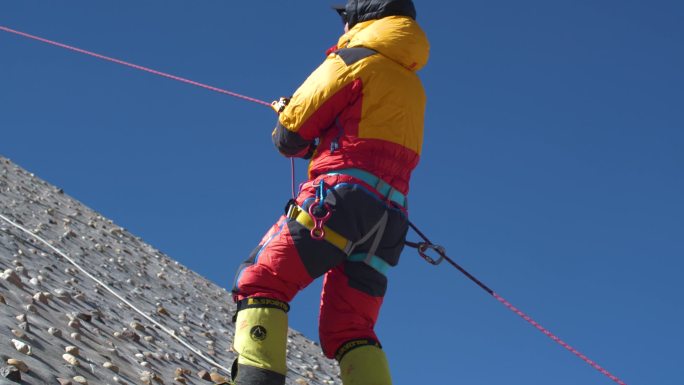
76	336
137	326
11	276
21	365
218	379
180	380
179	372
147	378
111	366
63	295
73	350
71	359
19	333
25	326
80	380
2	300
31	308
64	381
55	332
85	317
130	335
21	318
162	311
41	297
22	347
203	374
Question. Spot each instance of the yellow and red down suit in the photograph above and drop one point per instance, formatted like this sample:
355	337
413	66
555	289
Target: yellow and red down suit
360	113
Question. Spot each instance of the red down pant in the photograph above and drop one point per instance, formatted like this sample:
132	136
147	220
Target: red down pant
288	259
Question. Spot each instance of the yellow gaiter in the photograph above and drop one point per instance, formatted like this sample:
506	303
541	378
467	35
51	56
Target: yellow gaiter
362	362
260	342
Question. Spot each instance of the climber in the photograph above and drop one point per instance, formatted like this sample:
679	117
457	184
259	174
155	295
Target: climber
359	118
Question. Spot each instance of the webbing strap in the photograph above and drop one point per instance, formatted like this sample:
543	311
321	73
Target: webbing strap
303	218
374	261
383	188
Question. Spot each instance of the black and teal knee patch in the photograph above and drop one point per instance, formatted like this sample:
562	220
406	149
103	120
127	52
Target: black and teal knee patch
353	344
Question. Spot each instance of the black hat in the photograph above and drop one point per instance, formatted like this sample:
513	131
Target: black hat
356	11
341	10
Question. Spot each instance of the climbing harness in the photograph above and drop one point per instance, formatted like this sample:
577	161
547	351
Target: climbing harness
306	219
314	221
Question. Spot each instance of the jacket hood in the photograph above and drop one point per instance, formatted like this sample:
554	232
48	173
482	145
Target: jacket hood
358	11
399	38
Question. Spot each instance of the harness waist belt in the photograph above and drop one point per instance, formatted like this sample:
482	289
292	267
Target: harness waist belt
384	188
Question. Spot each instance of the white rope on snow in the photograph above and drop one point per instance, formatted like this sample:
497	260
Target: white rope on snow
168	331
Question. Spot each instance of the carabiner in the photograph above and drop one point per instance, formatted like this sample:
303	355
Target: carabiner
423	247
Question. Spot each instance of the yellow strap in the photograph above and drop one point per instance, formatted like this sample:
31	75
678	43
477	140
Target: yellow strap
304	219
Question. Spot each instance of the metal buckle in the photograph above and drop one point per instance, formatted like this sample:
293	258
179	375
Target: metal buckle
291	209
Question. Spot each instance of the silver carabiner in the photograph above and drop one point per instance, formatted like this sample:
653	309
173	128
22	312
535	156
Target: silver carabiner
424	247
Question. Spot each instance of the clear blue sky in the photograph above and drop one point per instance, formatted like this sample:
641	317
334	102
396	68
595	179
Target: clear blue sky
552	168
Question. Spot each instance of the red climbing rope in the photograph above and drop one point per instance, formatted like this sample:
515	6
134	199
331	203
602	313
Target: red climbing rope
135	66
426	246
557	340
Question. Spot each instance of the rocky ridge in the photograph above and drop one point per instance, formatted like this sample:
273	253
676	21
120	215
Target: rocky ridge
58	326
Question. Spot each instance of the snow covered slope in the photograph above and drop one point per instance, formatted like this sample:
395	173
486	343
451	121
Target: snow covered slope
77	330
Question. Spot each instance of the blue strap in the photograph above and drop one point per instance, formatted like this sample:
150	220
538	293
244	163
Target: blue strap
375	262
384	188
321	193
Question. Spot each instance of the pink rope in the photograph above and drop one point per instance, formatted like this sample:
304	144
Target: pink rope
135	66
557	340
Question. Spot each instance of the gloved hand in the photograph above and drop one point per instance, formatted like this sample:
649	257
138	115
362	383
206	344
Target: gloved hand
280	104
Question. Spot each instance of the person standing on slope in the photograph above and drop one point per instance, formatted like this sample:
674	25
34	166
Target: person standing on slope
359	118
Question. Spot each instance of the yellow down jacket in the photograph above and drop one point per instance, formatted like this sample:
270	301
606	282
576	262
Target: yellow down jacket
364	106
